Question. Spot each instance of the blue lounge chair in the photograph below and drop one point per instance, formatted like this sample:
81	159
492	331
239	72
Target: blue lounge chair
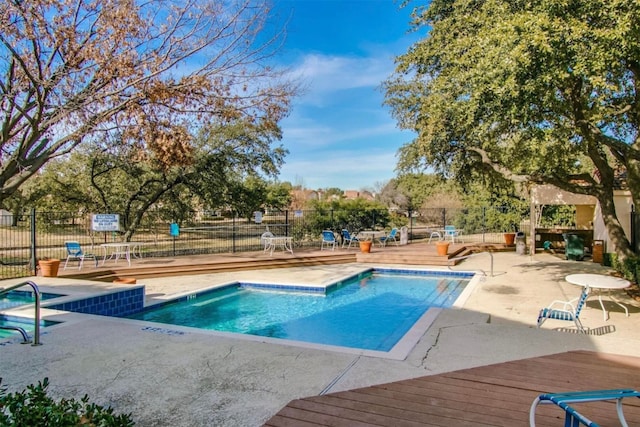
347	238
391	236
453	233
75	253
568	312
329	239
573	418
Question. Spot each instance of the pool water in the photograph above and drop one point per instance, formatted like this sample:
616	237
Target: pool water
372	311
24	323
18	298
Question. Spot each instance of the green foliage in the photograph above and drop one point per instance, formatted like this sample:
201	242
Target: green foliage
629	268
494	208
278	196
226	170
33	407
562	215
533	91
332	193
354	214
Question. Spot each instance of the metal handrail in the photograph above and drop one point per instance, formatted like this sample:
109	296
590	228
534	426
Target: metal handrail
469	256
36	291
25	336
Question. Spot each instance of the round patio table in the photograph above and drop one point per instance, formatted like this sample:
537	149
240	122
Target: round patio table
600	282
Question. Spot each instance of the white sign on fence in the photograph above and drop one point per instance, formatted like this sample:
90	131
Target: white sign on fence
105	222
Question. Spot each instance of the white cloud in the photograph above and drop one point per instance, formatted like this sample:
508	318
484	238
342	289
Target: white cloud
324	75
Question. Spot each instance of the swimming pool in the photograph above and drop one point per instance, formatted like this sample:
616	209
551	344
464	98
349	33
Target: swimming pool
21	322
369	311
17	298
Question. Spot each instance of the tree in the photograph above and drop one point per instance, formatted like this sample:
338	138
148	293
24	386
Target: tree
352	214
278	195
225	169
151	72
535	91
332	193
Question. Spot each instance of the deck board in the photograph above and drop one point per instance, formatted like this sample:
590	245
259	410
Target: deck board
492	395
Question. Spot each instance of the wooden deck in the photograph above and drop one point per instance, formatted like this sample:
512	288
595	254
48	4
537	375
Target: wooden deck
414	253
493	395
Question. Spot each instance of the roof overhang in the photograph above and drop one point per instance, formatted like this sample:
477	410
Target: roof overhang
547	194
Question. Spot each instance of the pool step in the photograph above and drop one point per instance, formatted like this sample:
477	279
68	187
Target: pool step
383	255
156	267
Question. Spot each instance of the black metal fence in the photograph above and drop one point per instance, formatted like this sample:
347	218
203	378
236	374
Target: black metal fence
37	235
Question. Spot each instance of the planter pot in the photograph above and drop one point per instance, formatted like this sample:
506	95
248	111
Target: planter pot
442	248
125	281
49	267
365	246
509	238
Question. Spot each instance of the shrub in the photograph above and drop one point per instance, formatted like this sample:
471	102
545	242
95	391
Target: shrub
32	407
629	269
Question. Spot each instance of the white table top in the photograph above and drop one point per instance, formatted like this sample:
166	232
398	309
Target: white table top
276	238
598	281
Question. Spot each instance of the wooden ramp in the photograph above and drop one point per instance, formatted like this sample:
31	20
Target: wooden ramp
493	395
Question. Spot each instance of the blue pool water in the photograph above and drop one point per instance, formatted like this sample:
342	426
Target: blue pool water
16	298
372	311
24	323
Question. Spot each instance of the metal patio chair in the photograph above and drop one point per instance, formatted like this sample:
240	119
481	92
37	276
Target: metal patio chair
568	312
75	253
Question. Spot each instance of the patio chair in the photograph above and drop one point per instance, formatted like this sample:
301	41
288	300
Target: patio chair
264	241
329	239
75	253
572	416
435	233
568	312
453	233
391	236
347	238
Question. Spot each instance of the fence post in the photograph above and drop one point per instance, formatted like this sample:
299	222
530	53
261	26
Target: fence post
286	223
484	223
233	234
34	261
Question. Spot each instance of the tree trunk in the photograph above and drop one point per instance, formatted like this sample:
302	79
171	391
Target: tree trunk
614	229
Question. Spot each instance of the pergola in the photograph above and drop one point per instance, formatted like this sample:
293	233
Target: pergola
545	194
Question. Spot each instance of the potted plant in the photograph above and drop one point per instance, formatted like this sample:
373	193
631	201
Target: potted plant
510	237
442	247
365	246
49	267
125	281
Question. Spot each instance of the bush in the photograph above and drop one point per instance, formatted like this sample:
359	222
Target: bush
629	269
33	407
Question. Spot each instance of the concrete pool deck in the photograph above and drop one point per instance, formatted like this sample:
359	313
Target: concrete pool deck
169	376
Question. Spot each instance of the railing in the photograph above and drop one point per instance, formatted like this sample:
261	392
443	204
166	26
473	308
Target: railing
27	238
36	292
472	255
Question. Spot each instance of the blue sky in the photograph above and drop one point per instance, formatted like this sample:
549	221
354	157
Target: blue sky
339	134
